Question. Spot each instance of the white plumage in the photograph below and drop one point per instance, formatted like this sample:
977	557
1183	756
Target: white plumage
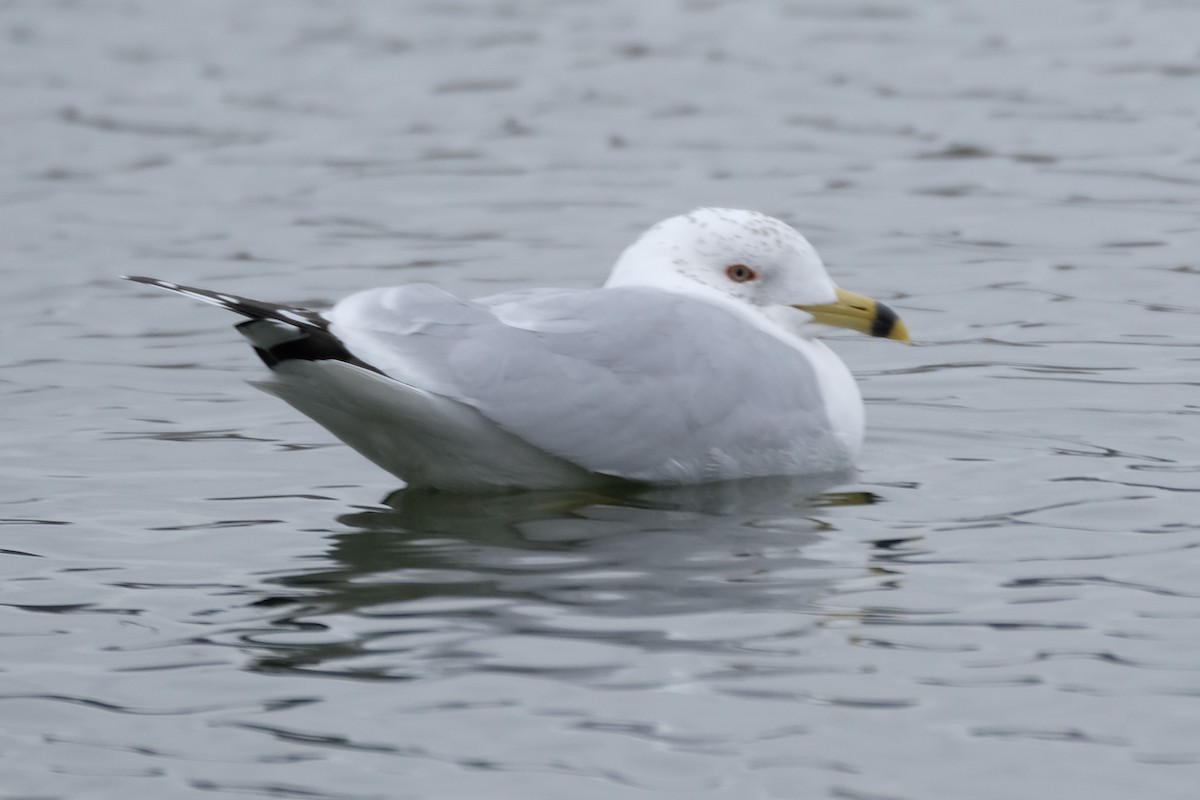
694	363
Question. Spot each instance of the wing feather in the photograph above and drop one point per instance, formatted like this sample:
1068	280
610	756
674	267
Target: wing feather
632	382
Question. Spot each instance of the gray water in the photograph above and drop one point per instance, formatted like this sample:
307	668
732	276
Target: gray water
204	595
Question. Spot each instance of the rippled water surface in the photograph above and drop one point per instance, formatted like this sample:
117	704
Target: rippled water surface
203	595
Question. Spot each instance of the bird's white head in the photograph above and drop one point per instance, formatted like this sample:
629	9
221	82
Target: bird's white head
750	256
727	254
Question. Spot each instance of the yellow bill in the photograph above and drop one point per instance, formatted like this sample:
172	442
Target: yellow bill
860	313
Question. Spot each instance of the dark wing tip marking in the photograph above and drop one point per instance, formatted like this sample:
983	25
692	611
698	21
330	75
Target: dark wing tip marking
314	341
247	307
308	345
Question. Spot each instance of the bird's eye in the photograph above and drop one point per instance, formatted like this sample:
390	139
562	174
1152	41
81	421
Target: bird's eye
740	273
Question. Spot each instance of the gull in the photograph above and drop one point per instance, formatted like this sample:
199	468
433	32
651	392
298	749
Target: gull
695	362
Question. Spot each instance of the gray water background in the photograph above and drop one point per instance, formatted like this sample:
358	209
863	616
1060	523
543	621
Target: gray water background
203	595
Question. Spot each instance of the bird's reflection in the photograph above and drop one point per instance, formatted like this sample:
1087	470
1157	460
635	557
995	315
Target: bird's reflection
509	563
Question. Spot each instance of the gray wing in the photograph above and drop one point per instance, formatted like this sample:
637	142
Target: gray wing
628	382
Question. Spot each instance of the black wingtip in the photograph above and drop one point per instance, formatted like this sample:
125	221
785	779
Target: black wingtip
247	307
150	281
309	338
